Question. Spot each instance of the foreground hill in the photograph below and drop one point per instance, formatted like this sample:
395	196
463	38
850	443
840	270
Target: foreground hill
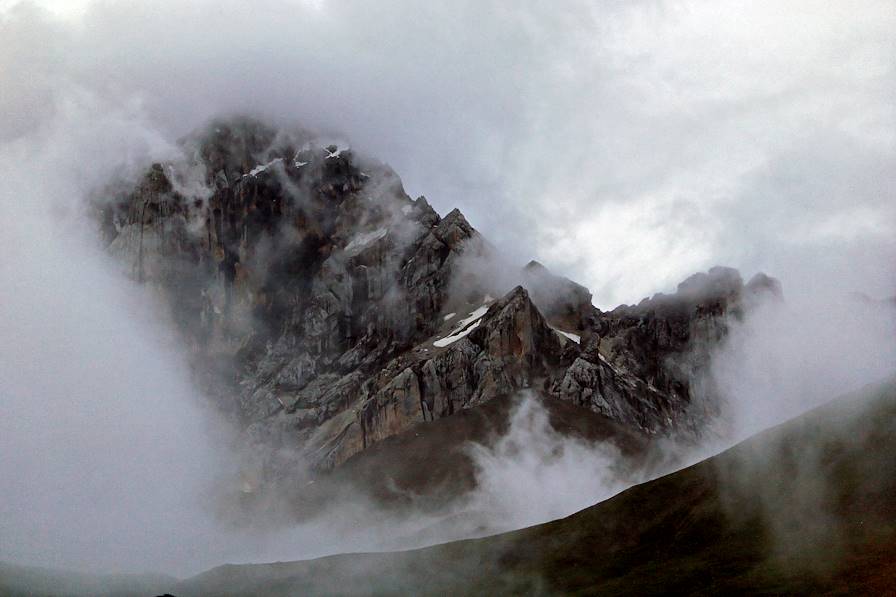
809	506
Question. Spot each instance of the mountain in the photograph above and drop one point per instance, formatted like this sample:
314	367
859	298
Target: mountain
326	311
366	347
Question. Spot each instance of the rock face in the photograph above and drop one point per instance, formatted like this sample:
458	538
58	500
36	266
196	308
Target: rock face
656	348
321	302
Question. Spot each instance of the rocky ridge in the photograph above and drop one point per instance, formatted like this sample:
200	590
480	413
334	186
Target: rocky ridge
327	310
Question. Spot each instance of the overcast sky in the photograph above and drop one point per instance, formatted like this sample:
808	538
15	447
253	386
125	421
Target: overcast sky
624	144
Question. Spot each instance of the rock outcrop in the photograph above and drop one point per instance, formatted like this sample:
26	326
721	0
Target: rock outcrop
315	295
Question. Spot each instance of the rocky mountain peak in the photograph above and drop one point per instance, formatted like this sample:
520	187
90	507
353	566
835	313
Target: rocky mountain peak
762	285
453	229
327	310
560	298
719	282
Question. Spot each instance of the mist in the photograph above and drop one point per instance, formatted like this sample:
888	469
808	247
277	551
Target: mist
105	451
533	473
113	460
533	122
783	359
789	356
631	144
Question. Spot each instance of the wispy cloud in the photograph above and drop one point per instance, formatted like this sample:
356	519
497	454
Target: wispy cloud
751	129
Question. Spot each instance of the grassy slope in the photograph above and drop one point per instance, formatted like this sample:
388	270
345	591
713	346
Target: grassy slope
809	506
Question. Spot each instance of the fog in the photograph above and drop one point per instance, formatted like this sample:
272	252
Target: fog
783	359
622	145
629	144
533	473
787	357
111	458
105	453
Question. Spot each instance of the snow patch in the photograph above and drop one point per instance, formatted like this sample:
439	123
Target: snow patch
575	338
449	316
407	209
464	327
443	342
262	167
337	153
362	240
477	314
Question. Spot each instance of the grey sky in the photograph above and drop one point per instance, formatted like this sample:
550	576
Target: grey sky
624	144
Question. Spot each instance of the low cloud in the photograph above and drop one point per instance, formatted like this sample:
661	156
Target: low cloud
787	357
625	146
534	473
628	144
782	359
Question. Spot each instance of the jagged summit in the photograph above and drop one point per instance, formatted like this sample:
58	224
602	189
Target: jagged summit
761	284
327	310
560	298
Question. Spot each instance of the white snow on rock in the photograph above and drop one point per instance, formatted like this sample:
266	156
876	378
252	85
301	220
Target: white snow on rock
447	340
475	315
337	153
617	370
262	167
449	316
573	337
407	209
300	164
362	240
464	327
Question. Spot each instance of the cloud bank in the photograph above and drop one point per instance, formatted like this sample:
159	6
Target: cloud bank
625	145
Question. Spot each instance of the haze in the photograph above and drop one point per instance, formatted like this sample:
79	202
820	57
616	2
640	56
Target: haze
624	145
